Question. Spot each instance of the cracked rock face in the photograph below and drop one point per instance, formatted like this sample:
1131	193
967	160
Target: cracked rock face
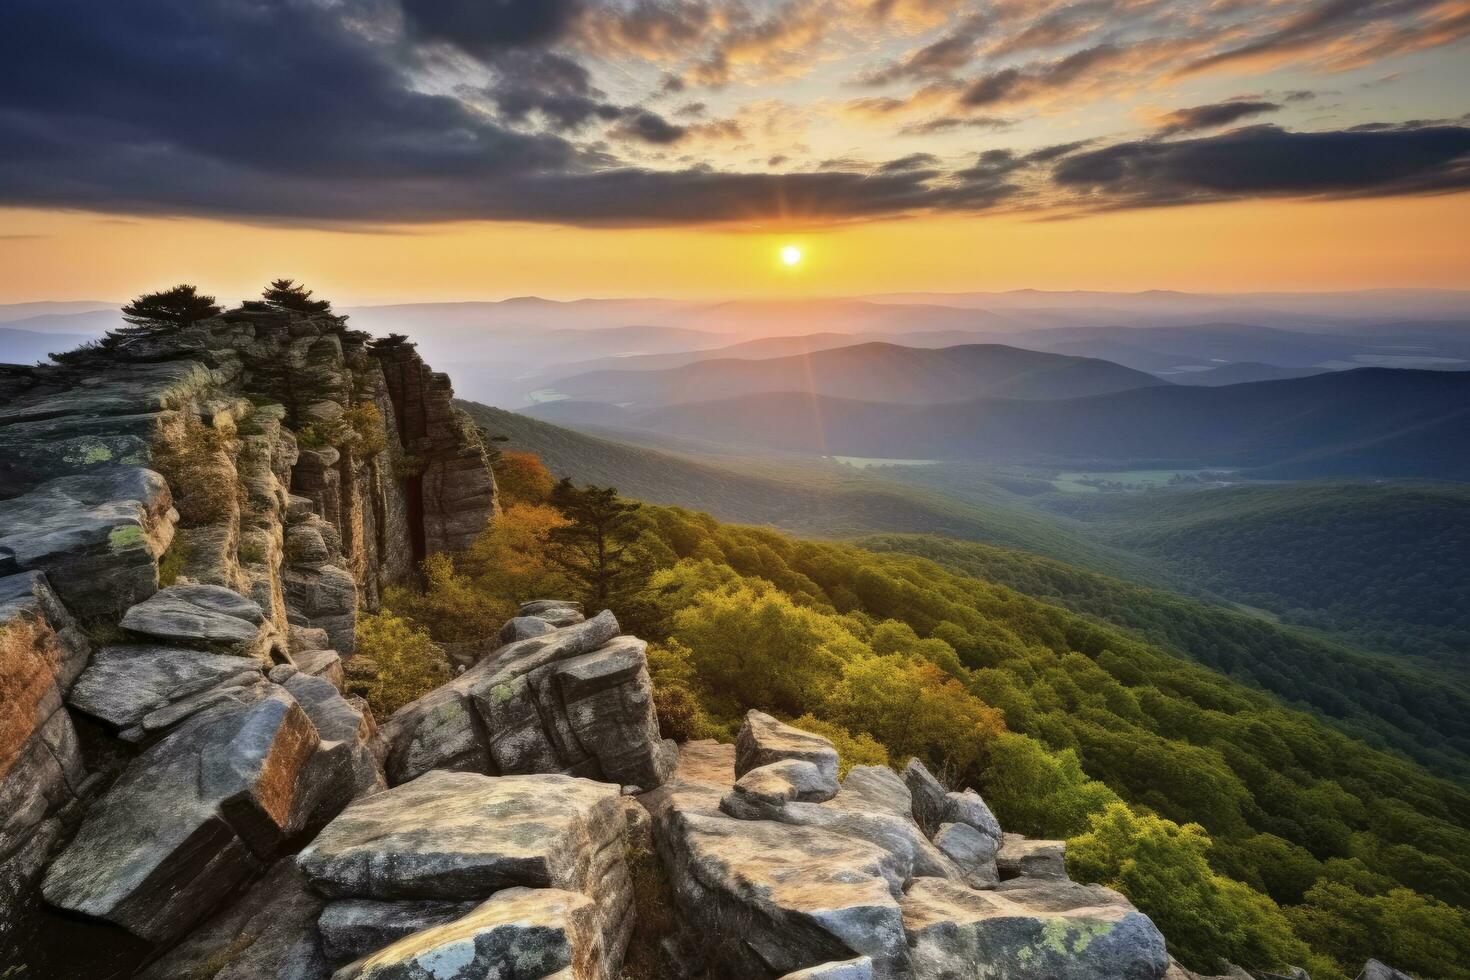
454	837
577	700
1029	930
771	886
190	818
520	933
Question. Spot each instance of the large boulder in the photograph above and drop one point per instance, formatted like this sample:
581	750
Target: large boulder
764	740
190	818
788	781
971	851
1374	970
766	898
462	836
207	616
126	683
875	788
97	536
934	806
1029	930
519	934
269	933
578	701
1022	857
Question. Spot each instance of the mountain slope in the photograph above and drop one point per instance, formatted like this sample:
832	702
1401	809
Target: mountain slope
1243	372
1382	565
1370	422
878	372
808	497
1390	705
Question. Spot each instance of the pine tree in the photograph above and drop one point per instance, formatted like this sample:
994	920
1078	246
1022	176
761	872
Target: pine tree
285	294
597	547
168	310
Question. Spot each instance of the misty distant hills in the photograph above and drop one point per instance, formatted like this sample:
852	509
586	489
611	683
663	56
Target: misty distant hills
30	346
1369	422
1242	373
874	372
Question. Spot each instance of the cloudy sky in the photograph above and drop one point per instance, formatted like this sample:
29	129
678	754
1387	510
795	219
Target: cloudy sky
397	149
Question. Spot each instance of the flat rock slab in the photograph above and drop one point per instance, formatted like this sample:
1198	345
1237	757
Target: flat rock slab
767	897
459	836
519	934
124	683
784	782
1022	857
97	536
190	818
1029	930
207	615
764	740
524	628
351	928
858	969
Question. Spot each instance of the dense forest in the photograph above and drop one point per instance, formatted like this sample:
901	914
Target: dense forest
1381	565
1252	833
1377	699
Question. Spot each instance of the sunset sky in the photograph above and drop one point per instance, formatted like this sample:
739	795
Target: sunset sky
459	149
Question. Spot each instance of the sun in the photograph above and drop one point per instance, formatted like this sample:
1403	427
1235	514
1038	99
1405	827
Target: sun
791	255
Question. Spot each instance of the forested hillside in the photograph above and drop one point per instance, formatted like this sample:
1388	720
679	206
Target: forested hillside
1250	832
1384	703
1382	565
817	498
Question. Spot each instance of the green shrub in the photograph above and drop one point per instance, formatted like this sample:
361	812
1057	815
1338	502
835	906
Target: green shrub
409	664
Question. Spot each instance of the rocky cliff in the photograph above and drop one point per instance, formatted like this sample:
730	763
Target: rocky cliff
190	526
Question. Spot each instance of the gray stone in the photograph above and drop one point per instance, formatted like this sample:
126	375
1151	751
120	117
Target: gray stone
607	699
1029	930
354	927
1019	857
490	717
97	536
763	740
784	782
768	898
29	595
930	798
201	615
323	597
968	808
326	664
519	934
124	683
858	969
190	818
537	606
876	788
524	628
462	836
1374	970
972	851
268	934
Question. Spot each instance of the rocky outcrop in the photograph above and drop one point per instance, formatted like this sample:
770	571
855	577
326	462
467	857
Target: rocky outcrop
213	507
41	773
772	886
455	837
576	700
525	933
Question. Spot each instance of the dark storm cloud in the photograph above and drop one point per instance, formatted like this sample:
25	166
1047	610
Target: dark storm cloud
944	124
486	27
1214	115
306	112
1264	161
556	87
650	127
